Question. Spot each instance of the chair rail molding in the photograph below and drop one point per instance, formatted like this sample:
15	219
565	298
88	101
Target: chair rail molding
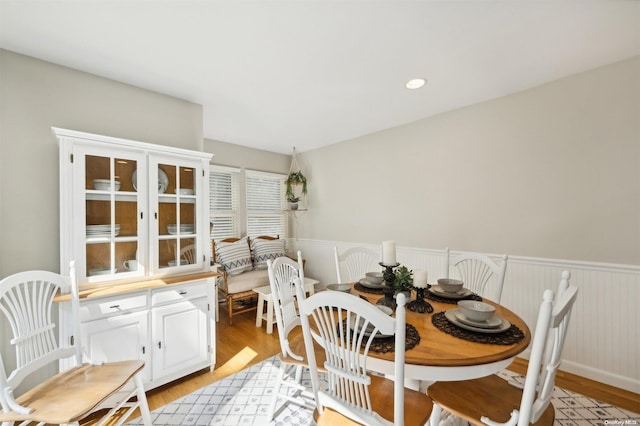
603	343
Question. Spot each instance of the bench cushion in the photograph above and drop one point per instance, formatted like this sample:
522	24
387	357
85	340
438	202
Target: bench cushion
235	257
247	281
264	250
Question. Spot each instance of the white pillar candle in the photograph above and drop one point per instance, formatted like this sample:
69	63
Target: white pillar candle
420	278
389	253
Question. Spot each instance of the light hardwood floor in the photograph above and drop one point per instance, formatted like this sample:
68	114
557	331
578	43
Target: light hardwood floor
244	344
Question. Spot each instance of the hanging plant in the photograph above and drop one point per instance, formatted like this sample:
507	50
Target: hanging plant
296	178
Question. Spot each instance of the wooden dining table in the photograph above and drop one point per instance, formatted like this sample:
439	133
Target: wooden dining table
439	356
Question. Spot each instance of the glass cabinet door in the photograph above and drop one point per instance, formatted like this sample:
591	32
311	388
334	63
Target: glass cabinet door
177	221
113	220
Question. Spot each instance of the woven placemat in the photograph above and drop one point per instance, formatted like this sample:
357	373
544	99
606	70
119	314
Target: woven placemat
507	337
364	289
387	344
435	298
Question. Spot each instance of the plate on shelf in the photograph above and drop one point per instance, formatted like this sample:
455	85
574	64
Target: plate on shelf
163	180
364	283
453	318
184	228
438	291
101	231
100	271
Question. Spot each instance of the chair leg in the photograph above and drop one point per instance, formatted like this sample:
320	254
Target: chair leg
270	315
259	310
142	400
230	309
434	420
276	392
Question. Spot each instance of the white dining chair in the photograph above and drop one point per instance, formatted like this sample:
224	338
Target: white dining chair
494	401
354	263
479	273
345	326
26	299
282	272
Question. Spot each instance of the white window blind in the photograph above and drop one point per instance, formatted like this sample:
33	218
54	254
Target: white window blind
265	193
224	202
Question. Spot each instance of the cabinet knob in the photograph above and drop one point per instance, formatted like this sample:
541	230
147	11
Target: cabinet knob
182	292
114	306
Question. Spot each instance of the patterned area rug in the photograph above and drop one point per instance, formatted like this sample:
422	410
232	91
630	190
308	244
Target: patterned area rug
243	399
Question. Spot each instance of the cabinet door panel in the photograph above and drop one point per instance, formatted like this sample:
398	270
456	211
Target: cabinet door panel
117	339
180	336
113	231
178	224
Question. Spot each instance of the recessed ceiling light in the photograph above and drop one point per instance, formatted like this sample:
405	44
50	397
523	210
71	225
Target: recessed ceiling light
415	83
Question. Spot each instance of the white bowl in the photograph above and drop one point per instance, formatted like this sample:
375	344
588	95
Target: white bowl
345	288
184	191
374	277
105	184
450	285
476	311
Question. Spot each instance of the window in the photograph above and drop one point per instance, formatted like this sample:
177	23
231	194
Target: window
224	202
265	204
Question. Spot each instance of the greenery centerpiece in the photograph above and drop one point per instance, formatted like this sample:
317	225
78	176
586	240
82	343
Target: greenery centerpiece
404	280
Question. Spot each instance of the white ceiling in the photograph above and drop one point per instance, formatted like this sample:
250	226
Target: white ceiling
308	73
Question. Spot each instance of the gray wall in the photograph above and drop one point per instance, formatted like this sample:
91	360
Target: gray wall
36	95
550	172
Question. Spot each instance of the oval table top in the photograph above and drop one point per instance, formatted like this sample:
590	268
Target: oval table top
437	348
441	356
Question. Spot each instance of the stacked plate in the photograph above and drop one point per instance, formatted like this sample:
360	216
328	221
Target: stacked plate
365	283
439	291
101	271
184	228
495	324
100	231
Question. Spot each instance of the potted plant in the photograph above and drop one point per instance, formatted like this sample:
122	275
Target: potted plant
293	202
295	178
403	281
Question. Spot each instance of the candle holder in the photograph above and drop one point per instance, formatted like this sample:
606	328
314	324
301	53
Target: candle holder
420	305
388	290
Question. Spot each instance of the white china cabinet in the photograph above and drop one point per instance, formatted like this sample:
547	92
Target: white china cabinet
134	219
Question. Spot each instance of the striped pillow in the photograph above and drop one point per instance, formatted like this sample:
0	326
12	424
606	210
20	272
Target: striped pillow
264	250
235	257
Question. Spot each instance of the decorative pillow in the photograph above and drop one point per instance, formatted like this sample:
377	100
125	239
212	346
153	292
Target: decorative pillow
264	250
234	258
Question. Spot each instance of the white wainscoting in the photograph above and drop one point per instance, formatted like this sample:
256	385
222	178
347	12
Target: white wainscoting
603	343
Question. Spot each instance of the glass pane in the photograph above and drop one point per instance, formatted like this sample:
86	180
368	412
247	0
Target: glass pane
186	181
168	253
124	170
166	179
97	172
188	251
99	259
126	256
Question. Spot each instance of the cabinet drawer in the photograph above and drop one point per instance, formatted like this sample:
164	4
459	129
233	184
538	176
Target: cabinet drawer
107	307
177	293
